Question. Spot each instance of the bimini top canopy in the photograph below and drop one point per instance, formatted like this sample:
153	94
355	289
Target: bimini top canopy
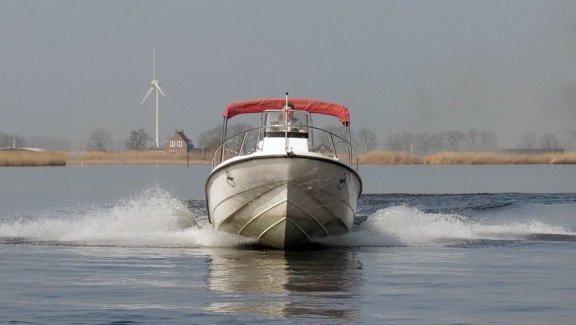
302	104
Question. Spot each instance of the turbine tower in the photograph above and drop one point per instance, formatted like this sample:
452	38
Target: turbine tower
154	86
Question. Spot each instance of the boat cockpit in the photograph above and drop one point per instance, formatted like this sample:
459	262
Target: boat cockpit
282	123
283	131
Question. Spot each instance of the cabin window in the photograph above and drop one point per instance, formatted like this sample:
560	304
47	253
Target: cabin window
179	144
172	144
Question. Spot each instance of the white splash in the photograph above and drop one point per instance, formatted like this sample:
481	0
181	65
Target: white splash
152	218
406	226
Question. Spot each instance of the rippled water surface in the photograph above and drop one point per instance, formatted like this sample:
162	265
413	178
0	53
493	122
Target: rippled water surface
432	245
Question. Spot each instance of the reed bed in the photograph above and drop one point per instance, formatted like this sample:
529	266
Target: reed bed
568	158
466	158
477	158
135	158
388	158
490	158
53	158
18	158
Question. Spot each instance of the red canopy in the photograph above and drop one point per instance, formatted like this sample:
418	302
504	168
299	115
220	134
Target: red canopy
309	105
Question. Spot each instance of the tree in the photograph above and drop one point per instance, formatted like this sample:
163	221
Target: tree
99	140
212	138
437	142
488	140
529	141
367	140
423	143
473	138
454	140
138	140
11	141
549	141
236	135
400	142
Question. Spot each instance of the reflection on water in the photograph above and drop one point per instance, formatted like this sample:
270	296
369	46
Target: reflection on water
323	283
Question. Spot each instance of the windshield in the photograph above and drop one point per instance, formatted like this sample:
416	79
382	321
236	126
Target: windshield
292	121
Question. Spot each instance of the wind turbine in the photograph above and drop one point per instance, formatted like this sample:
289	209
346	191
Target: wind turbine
154	86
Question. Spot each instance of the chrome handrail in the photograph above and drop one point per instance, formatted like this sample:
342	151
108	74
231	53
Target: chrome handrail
219	152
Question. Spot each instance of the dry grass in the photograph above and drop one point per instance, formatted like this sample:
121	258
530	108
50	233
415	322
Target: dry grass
477	158
388	158
52	158
568	158
466	158
135	158
490	158
13	158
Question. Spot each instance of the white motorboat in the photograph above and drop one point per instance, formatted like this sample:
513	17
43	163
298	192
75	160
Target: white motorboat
285	182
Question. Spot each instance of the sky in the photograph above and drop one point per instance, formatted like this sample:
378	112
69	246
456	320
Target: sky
71	66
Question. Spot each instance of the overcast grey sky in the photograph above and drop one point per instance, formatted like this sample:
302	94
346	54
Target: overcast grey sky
507	66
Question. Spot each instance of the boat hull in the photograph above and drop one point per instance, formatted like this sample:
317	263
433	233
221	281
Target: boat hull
283	201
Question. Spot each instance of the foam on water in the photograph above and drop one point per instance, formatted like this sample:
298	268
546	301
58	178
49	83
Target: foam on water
152	218
409	226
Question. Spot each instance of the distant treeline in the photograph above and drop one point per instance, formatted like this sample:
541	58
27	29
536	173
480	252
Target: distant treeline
458	141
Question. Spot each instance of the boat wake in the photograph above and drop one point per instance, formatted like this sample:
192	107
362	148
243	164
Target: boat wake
154	218
410	226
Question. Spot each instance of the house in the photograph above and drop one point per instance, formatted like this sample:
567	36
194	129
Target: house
178	143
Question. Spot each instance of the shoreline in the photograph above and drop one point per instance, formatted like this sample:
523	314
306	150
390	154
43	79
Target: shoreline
20	158
466	158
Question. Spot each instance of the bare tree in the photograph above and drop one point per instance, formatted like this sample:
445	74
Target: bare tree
473	139
529	141
100	140
549	141
11	140
438	142
423	143
241	138
400	142
488	140
393	142
138	140
212	138
367	140
454	140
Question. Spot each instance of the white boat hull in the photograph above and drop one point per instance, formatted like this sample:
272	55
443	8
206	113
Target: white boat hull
283	201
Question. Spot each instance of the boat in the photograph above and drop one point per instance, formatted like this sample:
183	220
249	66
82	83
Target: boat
284	183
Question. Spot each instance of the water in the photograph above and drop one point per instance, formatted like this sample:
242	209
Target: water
432	245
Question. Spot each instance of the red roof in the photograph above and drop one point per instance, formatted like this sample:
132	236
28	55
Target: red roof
309	105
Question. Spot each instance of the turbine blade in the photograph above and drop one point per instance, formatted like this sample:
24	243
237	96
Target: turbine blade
159	89
147	94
